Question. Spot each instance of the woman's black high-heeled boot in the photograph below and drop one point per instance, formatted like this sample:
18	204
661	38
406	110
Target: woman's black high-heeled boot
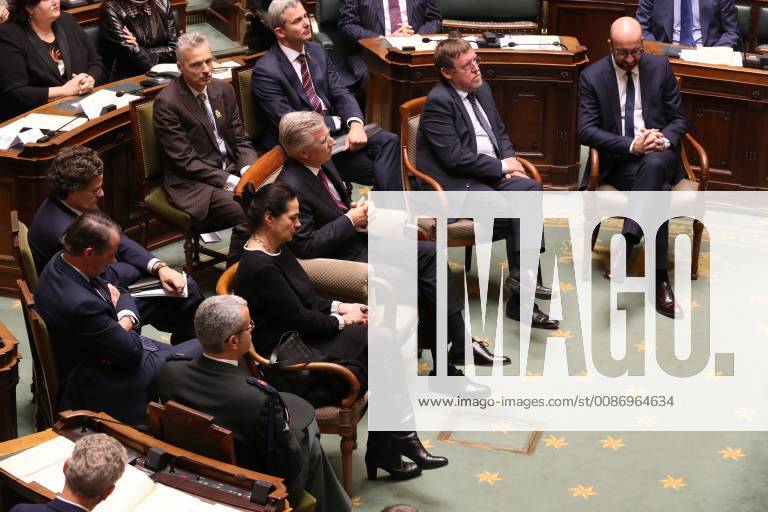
409	444
381	455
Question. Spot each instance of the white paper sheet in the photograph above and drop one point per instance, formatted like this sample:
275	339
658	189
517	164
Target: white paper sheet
160	292
717	56
25	464
94	103
45	121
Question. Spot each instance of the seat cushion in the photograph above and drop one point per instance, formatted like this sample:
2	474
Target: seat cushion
462	229
338	279
684	185
157	203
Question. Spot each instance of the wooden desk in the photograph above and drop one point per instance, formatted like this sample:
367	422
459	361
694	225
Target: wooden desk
535	93
11	488
9	378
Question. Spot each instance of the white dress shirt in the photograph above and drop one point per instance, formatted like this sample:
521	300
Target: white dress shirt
697	38
388	28
484	144
293	58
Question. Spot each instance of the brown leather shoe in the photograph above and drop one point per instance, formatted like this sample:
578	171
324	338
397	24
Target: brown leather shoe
665	301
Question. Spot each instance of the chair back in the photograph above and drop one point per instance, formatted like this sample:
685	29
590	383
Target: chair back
410	116
226	283
241	79
744	15
191	430
761	37
145	145
22	251
46	373
263	171
506	17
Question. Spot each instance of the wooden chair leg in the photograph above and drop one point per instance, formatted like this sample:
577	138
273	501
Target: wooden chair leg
594	236
188	255
698	228
354	441
347	444
467	259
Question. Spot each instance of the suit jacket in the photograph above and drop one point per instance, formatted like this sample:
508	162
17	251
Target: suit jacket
28	70
56	505
222	391
278	90
325	231
718	19
446	147
364	19
53	217
96	358
600	115
194	163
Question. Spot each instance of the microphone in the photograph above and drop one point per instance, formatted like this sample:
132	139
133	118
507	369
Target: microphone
512	44
52	133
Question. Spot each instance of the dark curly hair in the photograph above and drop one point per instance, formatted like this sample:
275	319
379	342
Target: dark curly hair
72	169
272	198
18	9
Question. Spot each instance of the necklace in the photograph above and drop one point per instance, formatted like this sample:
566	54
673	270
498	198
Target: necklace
264	244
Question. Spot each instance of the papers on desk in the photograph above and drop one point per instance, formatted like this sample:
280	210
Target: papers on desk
170	69
523	42
716	55
154	288
27	464
93	104
224	74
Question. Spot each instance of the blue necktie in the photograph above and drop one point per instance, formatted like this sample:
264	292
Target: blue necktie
686	23
629	108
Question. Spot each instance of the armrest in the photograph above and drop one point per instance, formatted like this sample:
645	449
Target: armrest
594	169
410	169
703	159
530	169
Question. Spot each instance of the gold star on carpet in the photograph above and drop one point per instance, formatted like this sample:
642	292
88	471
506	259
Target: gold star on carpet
561	334
730	453
529	374
16	304
423	368
566	287
610	442
695	304
504	265
357	501
640	346
673	483
488	478
364	191
583	373
455	267
555	442
426	443
565	259
581	491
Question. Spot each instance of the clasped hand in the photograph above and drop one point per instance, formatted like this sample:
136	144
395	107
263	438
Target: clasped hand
353	313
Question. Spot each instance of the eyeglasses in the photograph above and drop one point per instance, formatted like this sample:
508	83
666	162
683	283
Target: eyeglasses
622	54
249	328
468	66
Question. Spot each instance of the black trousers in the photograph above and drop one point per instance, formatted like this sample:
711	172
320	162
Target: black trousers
378	163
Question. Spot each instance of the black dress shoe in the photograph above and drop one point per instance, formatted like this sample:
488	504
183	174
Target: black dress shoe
481	354
381	455
665	301
409	445
512	287
539	319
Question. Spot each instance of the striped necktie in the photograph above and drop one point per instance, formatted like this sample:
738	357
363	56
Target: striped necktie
309	88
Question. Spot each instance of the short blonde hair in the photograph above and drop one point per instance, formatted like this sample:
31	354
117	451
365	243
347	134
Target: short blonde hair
96	463
296	129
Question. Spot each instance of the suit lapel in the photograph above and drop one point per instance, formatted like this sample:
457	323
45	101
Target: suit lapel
668	15
42	50
317	188
464	115
66	55
409	10
705	13
189	101
645	88
287	68
612	88
333	175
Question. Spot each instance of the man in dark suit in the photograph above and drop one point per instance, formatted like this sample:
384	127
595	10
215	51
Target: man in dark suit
463	144
90	473
330	224
102	361
361	19
630	110
297	74
690	22
274	432
75	181
200	133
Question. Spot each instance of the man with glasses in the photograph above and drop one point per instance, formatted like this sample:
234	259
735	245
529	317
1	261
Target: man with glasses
462	143
690	22
75	181
630	110
274	432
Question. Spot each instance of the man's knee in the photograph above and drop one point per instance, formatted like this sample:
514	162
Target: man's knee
659	164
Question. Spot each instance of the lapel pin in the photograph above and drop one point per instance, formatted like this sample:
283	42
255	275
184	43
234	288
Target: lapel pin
218	114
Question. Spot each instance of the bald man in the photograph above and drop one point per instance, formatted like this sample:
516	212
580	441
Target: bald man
630	111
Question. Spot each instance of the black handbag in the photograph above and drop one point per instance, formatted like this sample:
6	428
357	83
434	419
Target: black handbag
291	350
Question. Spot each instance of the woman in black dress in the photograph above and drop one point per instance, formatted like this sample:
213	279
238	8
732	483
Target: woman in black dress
46	56
281	299
136	35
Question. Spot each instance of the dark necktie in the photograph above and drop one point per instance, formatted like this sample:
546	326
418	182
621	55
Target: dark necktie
483	122
309	88
629	108
686	23
96	284
331	190
395	18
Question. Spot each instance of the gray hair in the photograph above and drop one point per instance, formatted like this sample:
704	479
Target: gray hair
218	318
276	9
187	42
96	463
296	129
